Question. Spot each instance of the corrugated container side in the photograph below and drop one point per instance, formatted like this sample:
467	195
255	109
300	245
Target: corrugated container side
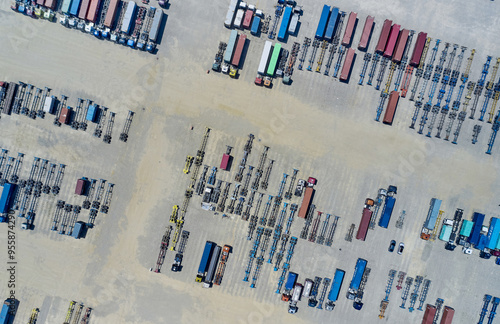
493	233
448	314
367	30
320	31
9	98
346	69
239	49
285	21
84	7
274	60
332	22
430	312
293	24
445	233
384	35
466	228
363	224
264	57
418	49
230	13
248	19
111	13
155	26
391	107
387	212
6	197
75	5
93	10
349	30
433	213
48	105
127	18
230	46
255	25
400	45
336	285
391	42
80	187
478	220
225	161
51	4
5	314
65	115
40	2
65	6
306	202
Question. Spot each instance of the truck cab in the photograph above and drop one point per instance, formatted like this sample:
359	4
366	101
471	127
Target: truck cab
232	72
297	292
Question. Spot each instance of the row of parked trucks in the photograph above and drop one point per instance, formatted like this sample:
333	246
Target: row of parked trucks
211	268
243	16
430	314
36	9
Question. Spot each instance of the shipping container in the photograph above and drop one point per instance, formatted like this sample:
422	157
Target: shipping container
65	115
391	41
306	202
111	13
248	19
9	97
349	30
40	2
433	213
448	313
418	49
445	233
93	10
367	31
230	13
363	224
308	284
211	267
387	212
91	113
320	31
430	312
332	22
224	163
51	4
6	197
264	57
230	46
290	282
478	220
292	28
75	5
482	242
155	26
78	229
346	69
48	105
466	228
336	285
239	49
391	107
400	45
274	60
80	186
205	258
359	270
493	233
128	17
239	18
84	7
255	26
384	35
5	313
285	21
66	5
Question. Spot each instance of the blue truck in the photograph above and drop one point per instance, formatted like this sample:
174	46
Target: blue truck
335	290
477	219
390	201
284	23
430	221
359	270
290	283
207	253
6	200
320	31
255	26
493	233
5	314
91	113
330	27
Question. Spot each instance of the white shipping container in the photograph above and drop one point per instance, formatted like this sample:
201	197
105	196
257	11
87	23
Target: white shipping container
48	106
230	13
127	18
264	58
155	26
293	24
239	16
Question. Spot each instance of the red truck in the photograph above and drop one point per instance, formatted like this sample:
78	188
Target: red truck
306	202
384	35
367	31
391	108
346	69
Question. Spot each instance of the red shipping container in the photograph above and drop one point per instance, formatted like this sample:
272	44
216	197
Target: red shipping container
349	30
400	45
391	107
391	42
430	312
448	313
80	187
65	115
51	4
93	10
248	19
306	202
419	48
346	69
84	7
111	14
239	49
367	31
384	35
363	225
40	2
225	161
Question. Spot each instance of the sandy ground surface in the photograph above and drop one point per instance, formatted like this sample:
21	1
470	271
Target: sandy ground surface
320	126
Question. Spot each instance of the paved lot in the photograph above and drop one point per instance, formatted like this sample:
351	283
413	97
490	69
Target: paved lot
320	126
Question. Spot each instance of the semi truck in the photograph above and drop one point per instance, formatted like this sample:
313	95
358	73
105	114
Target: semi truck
211	268
430	221
306	202
271	69
390	201
308	284
332	22
128	17
111	13
230	13
285	21
263	62
239	50
365	220
384	35
391	108
335	290
6	198
75	5
477	219
359	270
84	7
367	31
5	313
297	292
205	258
290	283
221	268
493	233
320	31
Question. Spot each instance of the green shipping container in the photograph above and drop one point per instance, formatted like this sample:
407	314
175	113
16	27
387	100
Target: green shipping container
466	228
274	60
445	233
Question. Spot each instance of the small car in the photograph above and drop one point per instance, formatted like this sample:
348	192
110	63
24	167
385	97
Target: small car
401	248
392	246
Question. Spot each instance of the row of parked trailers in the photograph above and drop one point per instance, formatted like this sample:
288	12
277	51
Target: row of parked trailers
430	314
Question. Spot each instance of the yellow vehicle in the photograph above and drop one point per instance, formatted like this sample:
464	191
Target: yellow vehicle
189	161
38	12
267	82
233	72
173	217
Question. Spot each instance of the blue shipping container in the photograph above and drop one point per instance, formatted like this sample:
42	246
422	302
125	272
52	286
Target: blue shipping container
91	113
478	220
5	315
75	6
77	230
358	274
255	25
493	233
330	27
336	285
387	212
6	198
284	23
320	31
433	214
209	246
290	282
483	241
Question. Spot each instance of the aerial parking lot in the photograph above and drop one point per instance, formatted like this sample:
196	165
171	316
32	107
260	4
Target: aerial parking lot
232	161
